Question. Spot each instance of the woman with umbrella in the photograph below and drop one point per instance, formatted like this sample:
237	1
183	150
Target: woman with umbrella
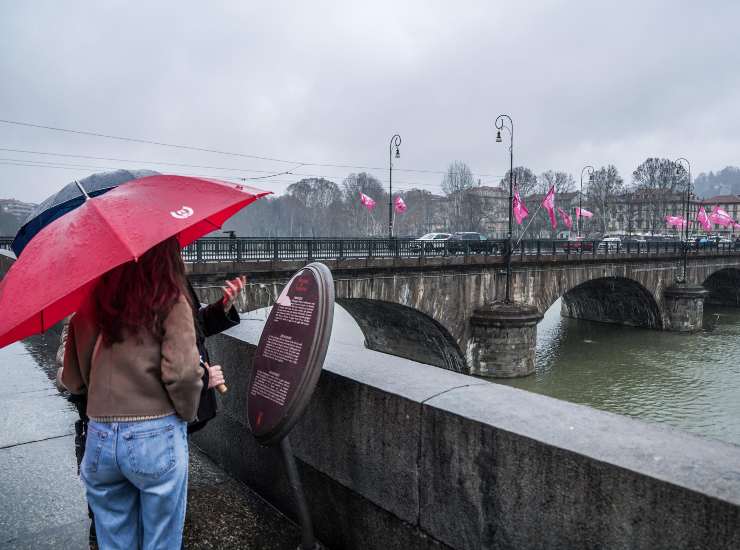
109	257
132	349
209	320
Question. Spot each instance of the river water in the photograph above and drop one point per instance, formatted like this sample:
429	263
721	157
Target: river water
690	381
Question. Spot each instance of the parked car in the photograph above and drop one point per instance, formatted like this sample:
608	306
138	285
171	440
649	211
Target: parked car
429	242
472	242
610	244
704	242
577	245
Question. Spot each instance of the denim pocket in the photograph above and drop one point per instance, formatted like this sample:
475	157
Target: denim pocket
93	449
151	452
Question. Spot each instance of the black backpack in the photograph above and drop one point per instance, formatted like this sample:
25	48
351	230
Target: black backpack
207	407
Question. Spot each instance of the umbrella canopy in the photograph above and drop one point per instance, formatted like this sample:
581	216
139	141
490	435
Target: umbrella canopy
69	198
62	263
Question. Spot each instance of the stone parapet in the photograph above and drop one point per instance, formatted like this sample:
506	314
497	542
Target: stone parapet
399	455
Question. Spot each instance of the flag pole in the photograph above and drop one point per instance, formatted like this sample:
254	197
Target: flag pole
529	223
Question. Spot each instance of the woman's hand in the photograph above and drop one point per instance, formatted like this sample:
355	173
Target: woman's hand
232	290
215	376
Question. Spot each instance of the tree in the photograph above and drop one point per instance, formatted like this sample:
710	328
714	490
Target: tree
422	214
524	180
656	182
563	182
320	204
724	182
359	221
602	192
464	212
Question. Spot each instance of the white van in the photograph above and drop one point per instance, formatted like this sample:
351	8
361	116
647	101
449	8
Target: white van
610	244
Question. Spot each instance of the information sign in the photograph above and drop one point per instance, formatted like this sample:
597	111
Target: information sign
290	353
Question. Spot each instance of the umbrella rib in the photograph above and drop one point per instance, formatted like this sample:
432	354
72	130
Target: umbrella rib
213	224
93	204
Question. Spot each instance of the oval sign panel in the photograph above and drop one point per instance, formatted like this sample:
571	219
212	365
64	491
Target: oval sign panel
290	353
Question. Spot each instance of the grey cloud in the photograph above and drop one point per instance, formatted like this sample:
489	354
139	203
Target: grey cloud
586	82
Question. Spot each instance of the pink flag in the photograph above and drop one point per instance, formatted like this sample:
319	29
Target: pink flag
400	206
675	221
520	210
720	217
549	204
736	225
583	213
703	219
567	220
367	201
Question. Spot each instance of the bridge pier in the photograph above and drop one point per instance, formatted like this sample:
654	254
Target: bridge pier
503	340
684	307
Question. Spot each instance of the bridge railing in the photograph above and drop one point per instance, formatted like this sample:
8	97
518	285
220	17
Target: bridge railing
307	249
254	249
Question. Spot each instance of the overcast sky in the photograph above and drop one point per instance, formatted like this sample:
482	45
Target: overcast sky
330	82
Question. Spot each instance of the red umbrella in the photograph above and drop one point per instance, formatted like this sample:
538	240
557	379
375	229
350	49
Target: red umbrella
60	266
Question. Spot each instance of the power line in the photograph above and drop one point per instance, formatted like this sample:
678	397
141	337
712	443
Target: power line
143	162
217	151
138	140
68	166
401	184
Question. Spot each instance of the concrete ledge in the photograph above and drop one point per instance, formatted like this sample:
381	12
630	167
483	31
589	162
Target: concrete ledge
396	454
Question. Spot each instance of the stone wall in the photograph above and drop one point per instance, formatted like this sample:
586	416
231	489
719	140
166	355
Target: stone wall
396	454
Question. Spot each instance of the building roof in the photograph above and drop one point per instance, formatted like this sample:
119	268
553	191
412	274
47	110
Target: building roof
724	199
488	190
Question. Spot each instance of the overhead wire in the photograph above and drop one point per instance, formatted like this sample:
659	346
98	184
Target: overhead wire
399	184
218	151
30	163
434	189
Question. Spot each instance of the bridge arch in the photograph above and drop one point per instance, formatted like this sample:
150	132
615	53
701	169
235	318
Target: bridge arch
618	300
406	332
724	287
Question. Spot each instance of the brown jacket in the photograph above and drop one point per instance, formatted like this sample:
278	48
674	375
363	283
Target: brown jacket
140	377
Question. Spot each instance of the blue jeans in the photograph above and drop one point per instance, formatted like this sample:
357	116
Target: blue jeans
136	475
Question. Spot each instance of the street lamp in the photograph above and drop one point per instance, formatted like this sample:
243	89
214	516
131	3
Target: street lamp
500	125
590	170
395	142
679	169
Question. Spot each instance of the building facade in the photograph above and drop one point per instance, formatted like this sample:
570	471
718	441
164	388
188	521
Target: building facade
492	203
17	208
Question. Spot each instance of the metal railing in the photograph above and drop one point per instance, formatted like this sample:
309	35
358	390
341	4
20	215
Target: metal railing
255	249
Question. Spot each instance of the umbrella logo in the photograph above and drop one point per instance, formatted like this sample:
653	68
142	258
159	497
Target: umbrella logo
184	212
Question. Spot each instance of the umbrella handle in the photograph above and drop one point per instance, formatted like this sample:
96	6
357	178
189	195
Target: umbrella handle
222	388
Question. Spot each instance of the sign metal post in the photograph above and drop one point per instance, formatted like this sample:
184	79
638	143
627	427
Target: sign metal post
287	366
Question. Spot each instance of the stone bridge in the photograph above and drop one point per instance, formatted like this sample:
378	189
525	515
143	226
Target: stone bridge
447	311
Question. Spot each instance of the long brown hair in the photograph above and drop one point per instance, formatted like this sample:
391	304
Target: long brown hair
140	295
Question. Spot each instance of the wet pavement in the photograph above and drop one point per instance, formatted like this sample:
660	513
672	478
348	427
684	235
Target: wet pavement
42	501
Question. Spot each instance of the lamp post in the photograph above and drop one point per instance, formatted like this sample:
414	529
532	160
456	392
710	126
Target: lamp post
590	170
679	168
395	142
500	125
